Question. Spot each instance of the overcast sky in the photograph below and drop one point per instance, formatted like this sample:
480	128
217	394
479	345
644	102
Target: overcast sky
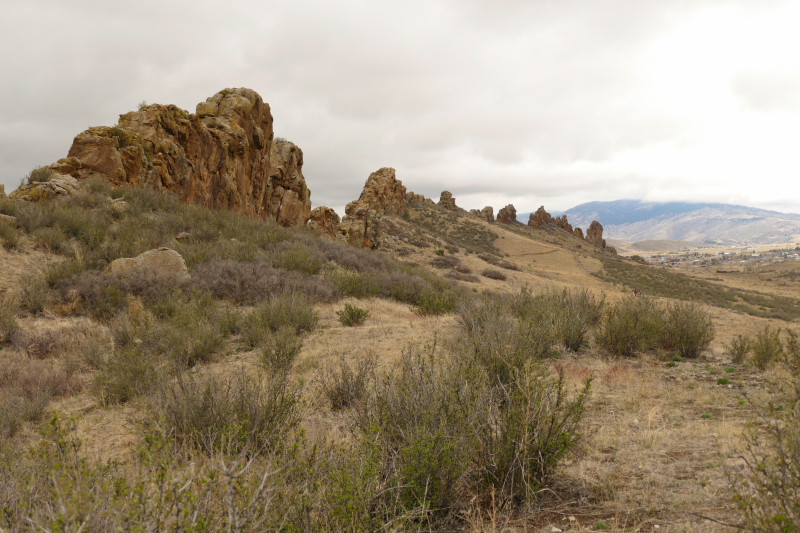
530	102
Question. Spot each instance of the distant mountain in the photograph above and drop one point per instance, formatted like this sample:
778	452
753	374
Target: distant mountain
634	220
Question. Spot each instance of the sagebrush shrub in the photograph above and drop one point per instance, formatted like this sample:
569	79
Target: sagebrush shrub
767	347
35	295
634	324
344	385
8	317
739	347
128	373
9	236
687	329
494	274
352	316
281	350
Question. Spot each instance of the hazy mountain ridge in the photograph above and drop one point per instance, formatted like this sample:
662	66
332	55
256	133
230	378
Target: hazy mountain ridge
635	220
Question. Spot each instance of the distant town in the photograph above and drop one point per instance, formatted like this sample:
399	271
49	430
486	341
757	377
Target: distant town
731	259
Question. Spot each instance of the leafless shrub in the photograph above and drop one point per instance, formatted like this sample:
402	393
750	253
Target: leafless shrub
453	274
344	385
281	350
739	347
8	317
35	295
493	274
9	235
445	261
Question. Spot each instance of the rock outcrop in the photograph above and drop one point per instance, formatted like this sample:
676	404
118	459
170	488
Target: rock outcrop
220	157
594	235
507	215
413	199
162	262
57	185
539	218
487	213
447	201
578	232
324	221
563	223
383	194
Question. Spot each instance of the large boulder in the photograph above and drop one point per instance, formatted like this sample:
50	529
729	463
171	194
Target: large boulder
221	157
56	185
487	213
507	215
324	221
383	194
162	262
447	201
594	235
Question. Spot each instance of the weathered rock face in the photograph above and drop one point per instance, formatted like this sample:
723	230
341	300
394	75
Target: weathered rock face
58	185
447	201
324	221
383	194
507	215
578	232
220	157
539	218
290	199
162	262
487	213
594	235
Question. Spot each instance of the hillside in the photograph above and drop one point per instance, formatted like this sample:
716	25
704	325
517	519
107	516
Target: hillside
634	220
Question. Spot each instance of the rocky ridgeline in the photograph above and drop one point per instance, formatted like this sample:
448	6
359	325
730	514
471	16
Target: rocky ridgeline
221	157
594	235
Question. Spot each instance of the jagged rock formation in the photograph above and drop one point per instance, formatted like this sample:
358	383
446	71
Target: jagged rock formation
562	223
507	215
221	157
578	232
447	201
594	235
383	194
539	218
57	185
162	262
487	213
324	221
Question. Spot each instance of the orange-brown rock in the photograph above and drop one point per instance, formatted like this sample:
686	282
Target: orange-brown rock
578	232
220	157
487	213
594	235
413	199
539	218
324	221
507	215
562	223
447	201
383	194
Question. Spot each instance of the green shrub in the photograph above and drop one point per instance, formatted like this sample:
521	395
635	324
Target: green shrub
8	317
739	347
289	309
571	314
297	257
237	412
16	409
687	329
38	175
192	334
631	325
35	295
128	373
352	316
344	385
767	347
723	381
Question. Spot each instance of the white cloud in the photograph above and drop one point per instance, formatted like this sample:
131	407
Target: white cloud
553	103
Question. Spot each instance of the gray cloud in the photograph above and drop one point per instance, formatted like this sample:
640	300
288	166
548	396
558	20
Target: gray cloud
491	100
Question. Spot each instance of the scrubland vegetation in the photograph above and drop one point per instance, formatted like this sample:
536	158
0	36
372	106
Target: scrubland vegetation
453	429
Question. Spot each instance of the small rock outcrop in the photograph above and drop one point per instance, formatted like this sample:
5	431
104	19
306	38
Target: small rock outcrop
447	201
539	218
324	221
162	262
487	213
594	235
56	185
507	215
414	200
221	157
383	194
563	223
578	232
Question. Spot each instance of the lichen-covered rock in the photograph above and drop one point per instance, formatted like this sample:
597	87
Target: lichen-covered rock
487	213
507	215
594	235
324	221
57	185
447	201
220	157
162	262
539	218
578	232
